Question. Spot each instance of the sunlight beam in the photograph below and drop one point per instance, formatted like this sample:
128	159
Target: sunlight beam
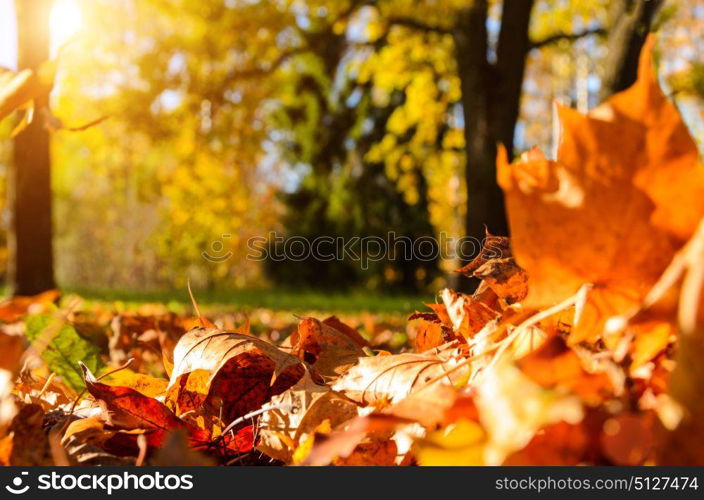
65	21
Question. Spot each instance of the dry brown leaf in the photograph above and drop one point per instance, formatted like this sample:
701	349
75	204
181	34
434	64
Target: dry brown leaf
650	338
85	433
433	328
136	336
429	332
330	346
505	278
13	309
30	445
493	247
469	313
498	270
391	378
12	344
296	413
231	372
343	442
434	406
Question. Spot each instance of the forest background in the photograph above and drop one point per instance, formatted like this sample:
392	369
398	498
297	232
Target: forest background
222	120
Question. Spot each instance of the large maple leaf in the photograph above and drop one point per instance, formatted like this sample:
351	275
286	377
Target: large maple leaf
601	214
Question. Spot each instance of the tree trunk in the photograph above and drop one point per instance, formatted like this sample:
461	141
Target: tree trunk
631	21
511	54
30	239
484	198
491	96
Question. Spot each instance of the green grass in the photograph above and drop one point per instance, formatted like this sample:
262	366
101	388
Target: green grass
280	300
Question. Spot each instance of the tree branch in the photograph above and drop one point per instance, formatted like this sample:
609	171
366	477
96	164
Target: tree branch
244	74
539	44
409	22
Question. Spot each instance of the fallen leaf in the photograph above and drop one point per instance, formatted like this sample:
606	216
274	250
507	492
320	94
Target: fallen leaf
232	373
587	218
392	378
431	332
343	442
649	339
296	413
554	364
11	347
129	409
505	278
512	408
13	309
30	445
468	313
145	384
460	444
61	347
330	347
493	247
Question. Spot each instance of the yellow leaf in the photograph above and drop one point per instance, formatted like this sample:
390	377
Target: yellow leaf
461	443
145	384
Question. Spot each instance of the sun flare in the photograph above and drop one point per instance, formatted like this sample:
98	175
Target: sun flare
65	21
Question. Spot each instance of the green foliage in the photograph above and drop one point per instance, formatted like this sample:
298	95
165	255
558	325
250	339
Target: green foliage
283	300
689	81
62	348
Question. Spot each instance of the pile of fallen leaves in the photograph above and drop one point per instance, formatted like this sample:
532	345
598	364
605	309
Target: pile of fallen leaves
581	345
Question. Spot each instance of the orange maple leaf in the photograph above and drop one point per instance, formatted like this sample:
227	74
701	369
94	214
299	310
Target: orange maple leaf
624	194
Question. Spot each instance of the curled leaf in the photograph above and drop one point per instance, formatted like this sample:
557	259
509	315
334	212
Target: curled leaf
129	409
392	378
329	346
230	373
296	413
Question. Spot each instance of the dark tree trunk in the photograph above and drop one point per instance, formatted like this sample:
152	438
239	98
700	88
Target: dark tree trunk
484	198
491	96
511	53
631	21
30	240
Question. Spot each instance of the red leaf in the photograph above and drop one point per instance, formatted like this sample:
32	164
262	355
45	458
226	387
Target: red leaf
128	408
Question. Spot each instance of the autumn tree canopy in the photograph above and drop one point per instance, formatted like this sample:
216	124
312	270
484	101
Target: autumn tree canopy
349	115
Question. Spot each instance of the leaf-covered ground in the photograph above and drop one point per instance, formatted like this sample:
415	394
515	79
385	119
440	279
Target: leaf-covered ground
581	345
